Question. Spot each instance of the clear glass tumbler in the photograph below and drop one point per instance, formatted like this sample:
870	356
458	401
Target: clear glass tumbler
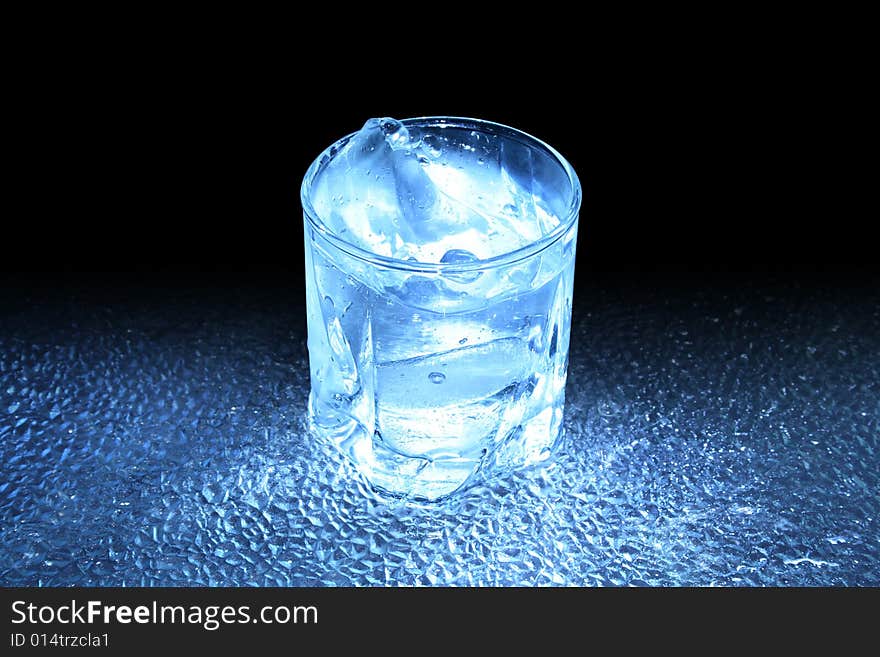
432	371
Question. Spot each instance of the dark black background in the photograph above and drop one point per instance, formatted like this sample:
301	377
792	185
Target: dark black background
700	154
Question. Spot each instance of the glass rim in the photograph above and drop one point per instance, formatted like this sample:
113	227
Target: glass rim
507	258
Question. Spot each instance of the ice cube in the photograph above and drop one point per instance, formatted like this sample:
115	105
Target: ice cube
427	192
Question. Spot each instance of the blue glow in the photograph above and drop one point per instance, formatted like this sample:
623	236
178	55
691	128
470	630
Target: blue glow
446	197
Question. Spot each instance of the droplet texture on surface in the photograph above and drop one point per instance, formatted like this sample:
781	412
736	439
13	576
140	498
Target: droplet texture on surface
159	441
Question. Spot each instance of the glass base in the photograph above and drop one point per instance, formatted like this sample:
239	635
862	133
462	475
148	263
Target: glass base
391	472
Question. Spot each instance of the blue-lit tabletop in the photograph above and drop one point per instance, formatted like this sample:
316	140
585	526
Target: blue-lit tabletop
727	437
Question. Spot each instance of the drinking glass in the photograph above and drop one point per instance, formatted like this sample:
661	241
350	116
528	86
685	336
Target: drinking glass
432	373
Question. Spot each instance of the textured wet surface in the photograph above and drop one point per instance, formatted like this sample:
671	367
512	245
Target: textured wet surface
717	437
